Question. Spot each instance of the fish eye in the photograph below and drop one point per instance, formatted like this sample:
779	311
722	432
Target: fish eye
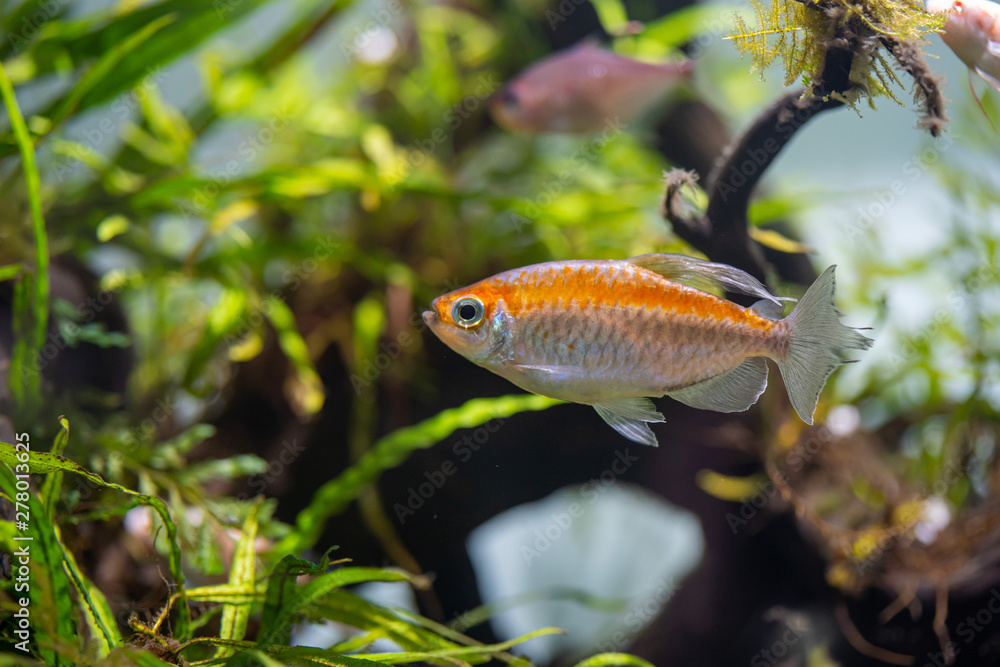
959	6
468	312
508	98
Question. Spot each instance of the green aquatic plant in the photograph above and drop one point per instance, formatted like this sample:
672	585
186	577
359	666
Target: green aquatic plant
799	33
72	622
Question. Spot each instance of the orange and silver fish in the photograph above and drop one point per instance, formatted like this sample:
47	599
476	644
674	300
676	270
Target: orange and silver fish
611	334
583	89
972	31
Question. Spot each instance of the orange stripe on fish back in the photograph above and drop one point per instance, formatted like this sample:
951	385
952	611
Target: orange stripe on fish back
586	284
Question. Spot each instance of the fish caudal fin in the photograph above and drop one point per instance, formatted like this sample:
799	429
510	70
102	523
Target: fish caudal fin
630	417
816	340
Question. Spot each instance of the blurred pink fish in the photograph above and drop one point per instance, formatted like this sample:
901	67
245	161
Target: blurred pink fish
972	31
583	89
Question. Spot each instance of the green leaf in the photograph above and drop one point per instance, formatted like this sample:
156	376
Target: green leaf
485	650
10	271
236	615
134	657
345	607
608	659
51	603
307	394
777	241
307	655
53	483
112	226
281	585
106	65
96	612
227	593
227	320
41	463
285	615
228	468
194	21
393	449
684	25
19	23
23	376
40	301
611	14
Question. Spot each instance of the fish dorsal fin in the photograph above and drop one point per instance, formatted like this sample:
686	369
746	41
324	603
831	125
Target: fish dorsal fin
732	391
702	274
631	417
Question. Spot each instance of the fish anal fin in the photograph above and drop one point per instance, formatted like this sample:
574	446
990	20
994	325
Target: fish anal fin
631	418
732	391
703	274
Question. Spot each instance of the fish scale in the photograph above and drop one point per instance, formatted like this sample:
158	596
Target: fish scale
582	303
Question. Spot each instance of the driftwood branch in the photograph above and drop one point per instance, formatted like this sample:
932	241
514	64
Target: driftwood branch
722	233
927	87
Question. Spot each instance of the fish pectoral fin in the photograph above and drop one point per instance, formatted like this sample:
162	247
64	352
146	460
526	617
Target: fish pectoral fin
629	416
993	48
702	274
561	371
989	78
768	309
732	391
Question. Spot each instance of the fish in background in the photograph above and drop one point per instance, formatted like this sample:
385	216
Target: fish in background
611	334
972	31
583	89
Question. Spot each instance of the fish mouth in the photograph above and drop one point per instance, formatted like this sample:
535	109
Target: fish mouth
430	317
